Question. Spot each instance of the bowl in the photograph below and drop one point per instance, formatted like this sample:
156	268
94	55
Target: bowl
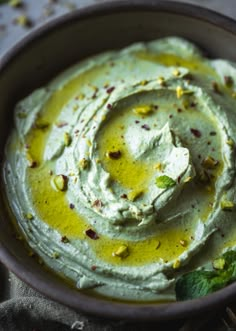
55	46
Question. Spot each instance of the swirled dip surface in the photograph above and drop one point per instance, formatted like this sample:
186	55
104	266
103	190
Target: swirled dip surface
121	171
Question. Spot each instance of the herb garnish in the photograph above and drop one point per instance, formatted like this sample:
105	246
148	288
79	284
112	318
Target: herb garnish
202	282
165	182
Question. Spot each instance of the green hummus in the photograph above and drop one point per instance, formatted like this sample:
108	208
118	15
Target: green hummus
121	171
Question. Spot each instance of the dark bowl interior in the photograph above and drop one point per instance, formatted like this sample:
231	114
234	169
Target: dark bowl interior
52	48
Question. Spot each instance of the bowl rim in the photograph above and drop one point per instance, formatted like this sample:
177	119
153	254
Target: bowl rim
80	301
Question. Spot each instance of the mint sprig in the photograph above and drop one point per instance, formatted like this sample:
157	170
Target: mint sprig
165	181
199	283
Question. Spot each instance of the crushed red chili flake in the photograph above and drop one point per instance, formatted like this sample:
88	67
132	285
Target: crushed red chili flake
110	89
64	239
109	106
94	267
114	155
155	106
208	143
124	196
91	234
196	133
61	124
72	206
179	110
137	122
212	133
170	116
145	127
178	179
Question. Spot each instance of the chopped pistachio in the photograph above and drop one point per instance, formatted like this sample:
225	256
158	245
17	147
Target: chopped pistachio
55	255
165	182
209	162
230	142
176	73
176	264
161	81
159	166
227	205
135	194
183	243
67	139
219	264
144	82
83	163
29	216
179	92
143	110
122	251
60	182
23	21
40	124
15	3
31	162
187	179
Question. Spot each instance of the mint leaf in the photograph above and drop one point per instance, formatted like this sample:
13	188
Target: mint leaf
165	182
199	283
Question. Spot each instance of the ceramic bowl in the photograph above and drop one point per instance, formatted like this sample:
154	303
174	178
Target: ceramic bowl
48	50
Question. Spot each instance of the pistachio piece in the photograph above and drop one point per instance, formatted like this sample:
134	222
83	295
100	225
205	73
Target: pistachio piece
84	163
122	251
179	92
135	194
176	264
143	110
31	162
219	264
209	162
227	205
60	182
176	73
29	216
67	139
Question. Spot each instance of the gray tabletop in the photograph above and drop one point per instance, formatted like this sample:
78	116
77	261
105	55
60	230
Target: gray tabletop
15	23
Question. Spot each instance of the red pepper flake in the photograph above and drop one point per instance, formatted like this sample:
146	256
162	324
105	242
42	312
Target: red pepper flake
109	106
61	124
178	179
64	239
94	267
145	127
110	89
208	143
179	110
212	133
124	196
137	122
91	234
156	107
72	206
170	116
196	133
114	155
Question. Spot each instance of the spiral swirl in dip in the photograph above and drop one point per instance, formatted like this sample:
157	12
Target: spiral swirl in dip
121	171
